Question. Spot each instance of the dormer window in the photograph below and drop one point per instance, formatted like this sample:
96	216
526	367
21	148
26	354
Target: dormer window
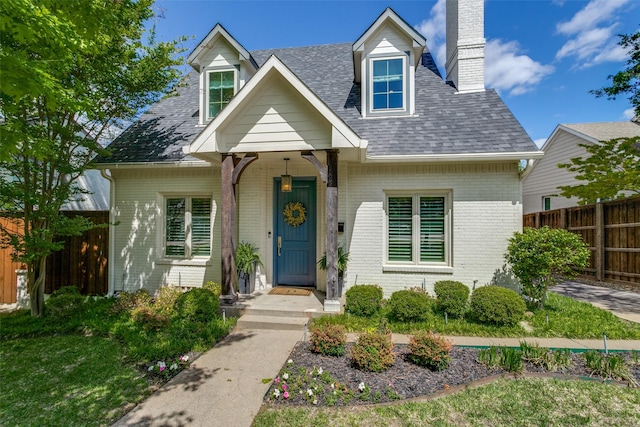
388	85
221	86
388	89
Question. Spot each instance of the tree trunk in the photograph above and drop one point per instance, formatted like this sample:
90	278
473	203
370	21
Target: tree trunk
37	270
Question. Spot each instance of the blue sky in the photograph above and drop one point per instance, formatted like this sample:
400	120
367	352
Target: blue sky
542	56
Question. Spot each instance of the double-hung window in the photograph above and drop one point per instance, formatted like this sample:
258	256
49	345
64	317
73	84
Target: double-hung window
418	229
221	88
188	227
388	84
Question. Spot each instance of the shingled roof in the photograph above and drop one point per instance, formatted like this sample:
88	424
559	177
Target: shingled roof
445	122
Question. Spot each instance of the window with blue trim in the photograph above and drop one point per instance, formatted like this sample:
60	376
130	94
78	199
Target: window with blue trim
388	84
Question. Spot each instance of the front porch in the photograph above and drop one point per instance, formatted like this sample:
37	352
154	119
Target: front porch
260	310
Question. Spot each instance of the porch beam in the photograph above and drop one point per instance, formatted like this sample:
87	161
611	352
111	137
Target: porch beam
227	219
241	165
322	170
332	303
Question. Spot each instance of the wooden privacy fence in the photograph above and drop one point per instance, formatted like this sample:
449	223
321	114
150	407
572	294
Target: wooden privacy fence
610	229
82	262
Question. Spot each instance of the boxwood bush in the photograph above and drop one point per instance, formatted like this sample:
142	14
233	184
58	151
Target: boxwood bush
430	350
496	305
329	339
451	297
410	306
66	301
373	352
363	300
198	305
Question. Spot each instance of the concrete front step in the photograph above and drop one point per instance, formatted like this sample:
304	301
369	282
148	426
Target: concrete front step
255	321
308	313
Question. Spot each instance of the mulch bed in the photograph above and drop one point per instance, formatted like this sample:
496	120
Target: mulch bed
404	380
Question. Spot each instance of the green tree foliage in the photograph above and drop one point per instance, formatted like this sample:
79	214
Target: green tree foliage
626	81
70	70
537	257
611	169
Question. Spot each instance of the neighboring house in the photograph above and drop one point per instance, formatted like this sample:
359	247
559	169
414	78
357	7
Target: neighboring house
542	179
97	196
415	175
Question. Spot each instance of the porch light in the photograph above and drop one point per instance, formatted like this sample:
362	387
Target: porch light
286	183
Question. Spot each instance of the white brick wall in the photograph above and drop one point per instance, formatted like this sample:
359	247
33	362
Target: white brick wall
140	221
486	210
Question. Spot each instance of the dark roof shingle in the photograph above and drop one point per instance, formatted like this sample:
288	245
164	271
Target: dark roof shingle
445	122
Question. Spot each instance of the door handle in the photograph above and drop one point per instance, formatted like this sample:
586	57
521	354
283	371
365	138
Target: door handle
279	245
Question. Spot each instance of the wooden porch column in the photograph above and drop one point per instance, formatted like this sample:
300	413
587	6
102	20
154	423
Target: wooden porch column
232	169
227	219
331	303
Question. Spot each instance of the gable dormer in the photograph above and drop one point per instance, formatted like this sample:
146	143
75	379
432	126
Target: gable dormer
385	58
224	66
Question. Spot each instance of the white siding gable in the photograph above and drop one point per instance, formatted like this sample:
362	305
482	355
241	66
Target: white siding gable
545	178
277	119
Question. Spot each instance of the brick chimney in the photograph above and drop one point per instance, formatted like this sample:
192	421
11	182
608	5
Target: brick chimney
465	44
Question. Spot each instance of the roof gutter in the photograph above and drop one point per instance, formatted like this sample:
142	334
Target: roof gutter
448	157
147	165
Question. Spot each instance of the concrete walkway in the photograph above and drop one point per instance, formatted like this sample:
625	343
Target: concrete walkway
223	387
625	305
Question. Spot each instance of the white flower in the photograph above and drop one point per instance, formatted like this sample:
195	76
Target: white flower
276	393
289	362
285	376
315	401
162	365
184	358
173	367
320	371
333	386
150	368
310	392
361	386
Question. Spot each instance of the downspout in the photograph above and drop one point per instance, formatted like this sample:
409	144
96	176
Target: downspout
112	232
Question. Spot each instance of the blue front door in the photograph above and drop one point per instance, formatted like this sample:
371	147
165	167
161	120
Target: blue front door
295	244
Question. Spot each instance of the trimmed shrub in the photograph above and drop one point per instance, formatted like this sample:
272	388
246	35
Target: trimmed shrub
410	306
430	350
363	300
496	305
198	305
166	297
149	317
451	297
126	301
373	351
214	287
328	339
65	301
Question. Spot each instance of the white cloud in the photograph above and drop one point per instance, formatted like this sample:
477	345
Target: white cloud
629	114
591	33
506	69
434	29
593	14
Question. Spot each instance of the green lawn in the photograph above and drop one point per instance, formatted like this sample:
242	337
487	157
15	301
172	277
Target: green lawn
88	366
567	318
526	402
68	380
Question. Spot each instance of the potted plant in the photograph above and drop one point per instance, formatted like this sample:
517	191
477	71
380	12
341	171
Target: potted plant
247	258
343	259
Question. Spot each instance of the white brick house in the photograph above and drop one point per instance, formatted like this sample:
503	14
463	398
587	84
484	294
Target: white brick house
415	175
